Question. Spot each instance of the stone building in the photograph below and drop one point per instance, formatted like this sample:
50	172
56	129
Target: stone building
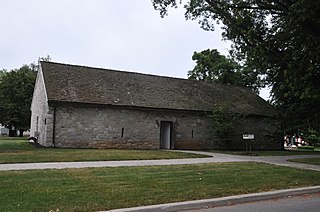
83	107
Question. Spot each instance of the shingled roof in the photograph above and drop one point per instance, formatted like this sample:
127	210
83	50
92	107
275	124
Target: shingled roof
79	84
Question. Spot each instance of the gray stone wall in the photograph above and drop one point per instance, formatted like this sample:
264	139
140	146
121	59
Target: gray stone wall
193	131
103	127
41	121
109	127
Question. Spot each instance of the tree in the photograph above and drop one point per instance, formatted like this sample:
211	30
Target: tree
2	72
279	38
16	90
224	122
211	66
35	66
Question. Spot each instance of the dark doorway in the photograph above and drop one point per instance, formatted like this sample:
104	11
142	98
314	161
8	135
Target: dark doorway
166	135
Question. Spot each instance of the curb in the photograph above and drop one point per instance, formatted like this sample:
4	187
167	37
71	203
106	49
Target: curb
223	201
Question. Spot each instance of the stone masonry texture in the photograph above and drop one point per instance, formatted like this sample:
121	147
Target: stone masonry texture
103	127
131	128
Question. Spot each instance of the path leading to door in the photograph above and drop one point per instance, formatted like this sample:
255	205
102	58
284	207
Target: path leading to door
275	160
216	157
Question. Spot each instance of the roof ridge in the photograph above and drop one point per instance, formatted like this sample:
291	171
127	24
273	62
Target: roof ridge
144	74
115	70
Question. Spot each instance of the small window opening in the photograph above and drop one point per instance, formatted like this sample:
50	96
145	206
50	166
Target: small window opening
37	125
122	132
192	134
45	121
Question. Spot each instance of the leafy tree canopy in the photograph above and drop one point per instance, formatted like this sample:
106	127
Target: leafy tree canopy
224	120
224	123
16	90
211	66
279	38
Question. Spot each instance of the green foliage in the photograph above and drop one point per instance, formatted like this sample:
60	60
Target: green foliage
213	67
16	90
35	66
224	121
312	136
280	39
2	72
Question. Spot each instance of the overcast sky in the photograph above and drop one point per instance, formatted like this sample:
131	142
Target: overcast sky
116	34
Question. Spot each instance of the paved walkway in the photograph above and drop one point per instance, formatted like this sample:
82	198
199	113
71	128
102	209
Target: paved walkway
216	157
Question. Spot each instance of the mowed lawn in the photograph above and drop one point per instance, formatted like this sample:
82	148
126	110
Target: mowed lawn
15	150
313	161
272	153
92	189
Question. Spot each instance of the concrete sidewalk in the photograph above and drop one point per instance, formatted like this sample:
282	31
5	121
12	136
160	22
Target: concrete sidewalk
216	158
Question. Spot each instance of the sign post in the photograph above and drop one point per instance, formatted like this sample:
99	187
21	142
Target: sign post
248	138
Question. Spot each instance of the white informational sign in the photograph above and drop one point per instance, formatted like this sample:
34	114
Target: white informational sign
248	136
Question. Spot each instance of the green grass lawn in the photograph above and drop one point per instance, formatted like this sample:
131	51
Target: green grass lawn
271	153
92	189
314	161
15	150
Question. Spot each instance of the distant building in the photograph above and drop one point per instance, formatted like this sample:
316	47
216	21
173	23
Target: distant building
83	107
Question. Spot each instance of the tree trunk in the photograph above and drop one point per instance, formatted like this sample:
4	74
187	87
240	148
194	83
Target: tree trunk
12	133
21	132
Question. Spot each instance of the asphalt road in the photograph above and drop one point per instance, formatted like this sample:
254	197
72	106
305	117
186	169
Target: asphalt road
305	203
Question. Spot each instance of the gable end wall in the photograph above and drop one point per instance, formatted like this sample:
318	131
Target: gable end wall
41	115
